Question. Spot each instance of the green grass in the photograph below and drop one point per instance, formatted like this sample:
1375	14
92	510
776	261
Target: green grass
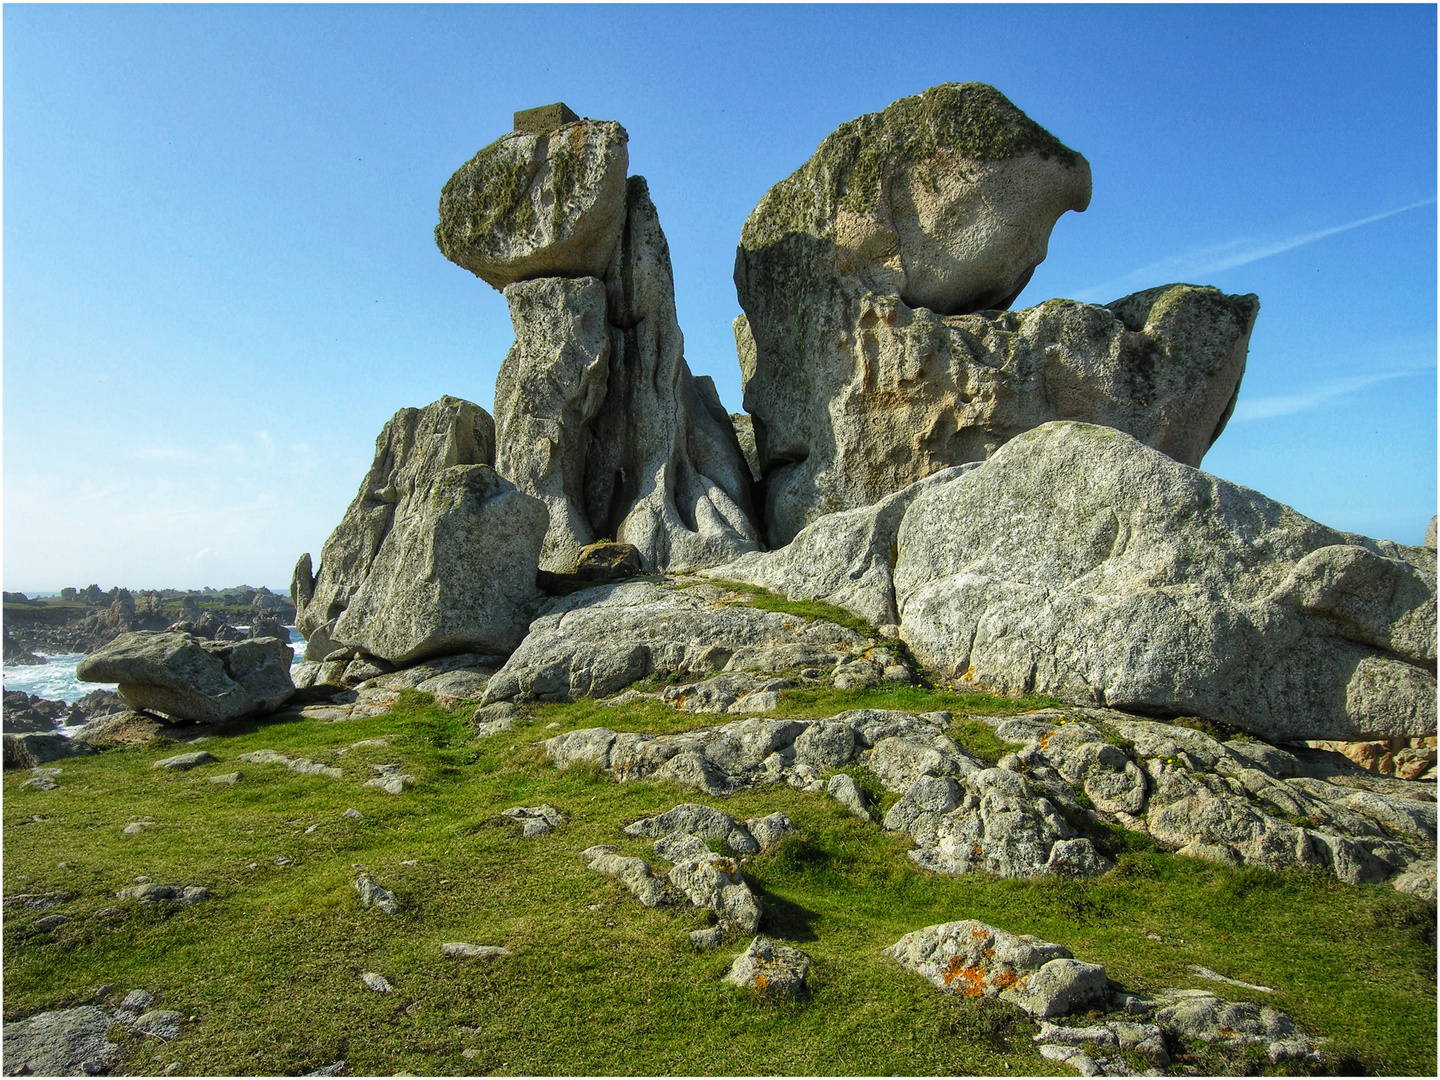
269	965
766	600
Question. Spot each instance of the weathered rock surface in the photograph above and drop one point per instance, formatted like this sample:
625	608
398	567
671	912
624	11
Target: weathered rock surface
864	370
535	820
845	558
598	641
184	677
770	968
302	765
437	553
68	1042
538	204
1071	771
713	881
1408	759
603	420
1080	563
972	959
635	874
551	386
374	895
463	950
28	751
185	762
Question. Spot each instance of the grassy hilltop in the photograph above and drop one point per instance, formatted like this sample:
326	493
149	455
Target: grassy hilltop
269	965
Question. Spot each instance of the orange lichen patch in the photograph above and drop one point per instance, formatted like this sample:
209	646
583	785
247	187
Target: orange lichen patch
1004	980
1044	740
726	866
977	849
975	931
989	954
761	982
963	979
969	675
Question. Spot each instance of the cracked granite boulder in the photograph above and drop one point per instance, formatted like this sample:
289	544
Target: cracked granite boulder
1080	563
875	350
437	553
185	678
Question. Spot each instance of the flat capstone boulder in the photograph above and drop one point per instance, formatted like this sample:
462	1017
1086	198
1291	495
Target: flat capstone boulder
67	1042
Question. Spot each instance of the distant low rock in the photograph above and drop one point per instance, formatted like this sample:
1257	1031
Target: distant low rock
436	554
634	873
29	750
1081	563
184	677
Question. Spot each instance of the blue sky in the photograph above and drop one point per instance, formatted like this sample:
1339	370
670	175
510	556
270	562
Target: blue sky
220	279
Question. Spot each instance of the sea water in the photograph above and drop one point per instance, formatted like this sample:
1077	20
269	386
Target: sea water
55	679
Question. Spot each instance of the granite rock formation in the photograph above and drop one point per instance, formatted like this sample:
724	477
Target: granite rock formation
872	351
1080	563
600	416
436	554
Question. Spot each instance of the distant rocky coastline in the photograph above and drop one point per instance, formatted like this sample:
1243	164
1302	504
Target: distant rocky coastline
82	620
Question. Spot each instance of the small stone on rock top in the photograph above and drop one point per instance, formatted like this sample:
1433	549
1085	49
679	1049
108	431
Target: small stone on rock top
544	118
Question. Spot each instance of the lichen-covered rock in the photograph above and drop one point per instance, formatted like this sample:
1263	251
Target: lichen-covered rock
714	881
635	874
702	821
181	676
598	641
437	553
872	351
1236	1024
538	204
947	197
770	969
1080	563
972	959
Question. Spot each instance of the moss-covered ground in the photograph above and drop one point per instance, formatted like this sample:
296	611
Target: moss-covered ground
269	965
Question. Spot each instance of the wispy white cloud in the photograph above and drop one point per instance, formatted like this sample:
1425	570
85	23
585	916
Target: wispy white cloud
1265	408
1200	262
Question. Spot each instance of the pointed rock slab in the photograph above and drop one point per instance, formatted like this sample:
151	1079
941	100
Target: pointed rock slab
664	470
1079	562
181	676
538	204
437	553
550	389
972	959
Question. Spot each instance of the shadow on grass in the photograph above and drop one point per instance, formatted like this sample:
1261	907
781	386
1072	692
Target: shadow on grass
783	918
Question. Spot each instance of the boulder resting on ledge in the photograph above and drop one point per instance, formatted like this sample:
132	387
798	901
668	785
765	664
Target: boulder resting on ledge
181	676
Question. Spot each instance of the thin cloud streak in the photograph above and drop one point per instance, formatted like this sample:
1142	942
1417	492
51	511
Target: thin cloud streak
1266	408
1227	256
